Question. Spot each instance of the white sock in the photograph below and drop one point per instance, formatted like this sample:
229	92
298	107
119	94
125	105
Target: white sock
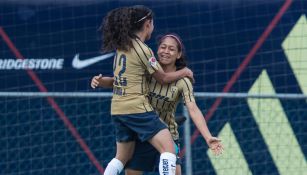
167	165
114	167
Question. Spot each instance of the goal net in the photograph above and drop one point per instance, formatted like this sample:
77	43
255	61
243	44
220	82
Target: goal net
261	134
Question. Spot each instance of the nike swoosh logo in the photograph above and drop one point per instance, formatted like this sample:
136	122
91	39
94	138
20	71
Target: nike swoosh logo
80	64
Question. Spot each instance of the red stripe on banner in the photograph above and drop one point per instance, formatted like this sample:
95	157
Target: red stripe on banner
243	65
54	105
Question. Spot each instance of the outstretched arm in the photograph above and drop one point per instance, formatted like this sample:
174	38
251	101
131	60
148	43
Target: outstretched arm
169	77
100	81
201	124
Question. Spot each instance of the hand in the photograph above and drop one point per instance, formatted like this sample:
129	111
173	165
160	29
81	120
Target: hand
215	145
189	74
95	81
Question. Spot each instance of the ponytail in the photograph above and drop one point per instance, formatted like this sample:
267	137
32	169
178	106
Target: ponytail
120	25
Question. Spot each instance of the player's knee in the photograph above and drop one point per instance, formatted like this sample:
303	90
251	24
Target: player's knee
167	146
133	172
163	142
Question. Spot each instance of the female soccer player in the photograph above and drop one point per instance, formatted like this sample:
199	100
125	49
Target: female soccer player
164	99
125	30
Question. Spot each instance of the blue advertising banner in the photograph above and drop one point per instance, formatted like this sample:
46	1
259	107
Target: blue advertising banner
61	42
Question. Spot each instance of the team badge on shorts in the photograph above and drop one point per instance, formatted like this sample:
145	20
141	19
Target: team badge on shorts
153	61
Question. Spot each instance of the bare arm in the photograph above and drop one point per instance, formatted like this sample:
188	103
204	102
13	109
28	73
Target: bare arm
201	124
199	120
100	81
163	77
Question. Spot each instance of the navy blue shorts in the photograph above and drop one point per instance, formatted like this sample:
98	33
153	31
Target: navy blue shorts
146	157
142	126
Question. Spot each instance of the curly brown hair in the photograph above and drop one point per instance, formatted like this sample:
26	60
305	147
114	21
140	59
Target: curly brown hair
120	26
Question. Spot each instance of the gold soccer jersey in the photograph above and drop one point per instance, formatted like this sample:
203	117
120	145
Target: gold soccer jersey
165	98
130	88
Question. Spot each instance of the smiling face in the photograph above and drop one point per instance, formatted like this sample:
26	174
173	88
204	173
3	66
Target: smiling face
168	51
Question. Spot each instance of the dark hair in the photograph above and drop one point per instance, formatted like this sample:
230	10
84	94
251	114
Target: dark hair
181	62
120	25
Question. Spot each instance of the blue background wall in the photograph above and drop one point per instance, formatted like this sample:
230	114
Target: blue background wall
217	37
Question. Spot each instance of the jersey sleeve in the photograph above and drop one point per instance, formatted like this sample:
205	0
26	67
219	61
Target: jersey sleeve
146	56
187	90
152	63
